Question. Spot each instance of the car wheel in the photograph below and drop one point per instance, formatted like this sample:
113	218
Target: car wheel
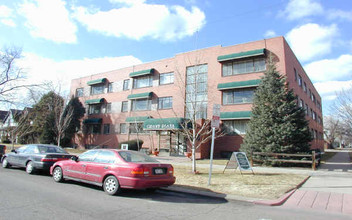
58	175
5	163
30	167
111	185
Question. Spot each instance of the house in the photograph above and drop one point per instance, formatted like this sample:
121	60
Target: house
148	101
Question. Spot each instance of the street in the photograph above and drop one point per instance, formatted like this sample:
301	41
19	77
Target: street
37	196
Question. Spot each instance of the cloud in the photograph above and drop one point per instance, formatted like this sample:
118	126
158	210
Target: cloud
49	19
311	40
297	9
331	87
270	33
340	15
128	2
330	69
6	16
142	20
39	69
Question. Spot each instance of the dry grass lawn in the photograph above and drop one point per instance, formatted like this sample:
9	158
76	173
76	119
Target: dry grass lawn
260	185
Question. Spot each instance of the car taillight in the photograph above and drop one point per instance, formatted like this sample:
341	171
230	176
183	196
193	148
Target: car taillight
4	147
171	170
48	159
140	171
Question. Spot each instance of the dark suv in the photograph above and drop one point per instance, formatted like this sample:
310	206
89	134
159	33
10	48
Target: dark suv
2	150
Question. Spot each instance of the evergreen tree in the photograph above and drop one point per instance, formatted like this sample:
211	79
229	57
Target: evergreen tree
277	125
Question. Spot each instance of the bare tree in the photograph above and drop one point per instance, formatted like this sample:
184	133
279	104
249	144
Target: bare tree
196	127
332	129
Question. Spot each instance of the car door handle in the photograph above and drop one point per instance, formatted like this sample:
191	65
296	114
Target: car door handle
106	168
83	165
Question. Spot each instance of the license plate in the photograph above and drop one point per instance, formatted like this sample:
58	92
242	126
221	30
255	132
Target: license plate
159	171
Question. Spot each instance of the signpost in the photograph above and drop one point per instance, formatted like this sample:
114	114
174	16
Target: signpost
215	122
124	146
238	159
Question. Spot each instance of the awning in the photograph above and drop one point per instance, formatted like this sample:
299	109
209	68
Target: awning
140	95
235	115
137	119
96	81
241	84
142	73
94	101
93	121
240	55
163	124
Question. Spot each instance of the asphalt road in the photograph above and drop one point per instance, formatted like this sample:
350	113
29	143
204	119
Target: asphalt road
24	196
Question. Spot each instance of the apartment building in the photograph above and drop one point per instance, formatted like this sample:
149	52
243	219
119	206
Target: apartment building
150	100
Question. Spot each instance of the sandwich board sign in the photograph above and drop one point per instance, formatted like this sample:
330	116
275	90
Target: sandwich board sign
238	160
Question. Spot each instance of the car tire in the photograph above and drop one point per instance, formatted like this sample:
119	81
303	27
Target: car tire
58	175
5	163
30	167
111	185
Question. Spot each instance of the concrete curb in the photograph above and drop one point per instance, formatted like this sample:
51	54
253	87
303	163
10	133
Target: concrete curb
282	199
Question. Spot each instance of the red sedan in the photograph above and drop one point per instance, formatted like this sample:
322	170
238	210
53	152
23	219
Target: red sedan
115	169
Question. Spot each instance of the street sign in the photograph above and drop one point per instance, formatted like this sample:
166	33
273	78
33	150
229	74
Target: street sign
215	121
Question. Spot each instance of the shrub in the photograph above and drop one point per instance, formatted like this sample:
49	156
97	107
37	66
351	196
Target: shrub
132	144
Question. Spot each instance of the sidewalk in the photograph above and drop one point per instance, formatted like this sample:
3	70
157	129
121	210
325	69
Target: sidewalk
328	189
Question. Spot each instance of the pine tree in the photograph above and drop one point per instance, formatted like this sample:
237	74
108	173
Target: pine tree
278	124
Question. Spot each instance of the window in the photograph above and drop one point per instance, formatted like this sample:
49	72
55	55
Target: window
126	84
234	127
124	106
310	93
123	128
311	112
166	78
319	105
106	129
243	66
301	103
108	108
105	157
300	81
141	104
313	97
94	109
79	92
110	87
165	103
97	89
93	129
306	110
136	128
197	91
319	119
314	115
238	96
296	74
142	81
88	156
305	87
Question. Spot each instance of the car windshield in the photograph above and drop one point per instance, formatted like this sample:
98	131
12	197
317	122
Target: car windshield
50	149
132	156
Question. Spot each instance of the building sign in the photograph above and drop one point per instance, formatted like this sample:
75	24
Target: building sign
161	127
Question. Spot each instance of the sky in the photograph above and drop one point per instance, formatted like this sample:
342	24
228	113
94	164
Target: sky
62	40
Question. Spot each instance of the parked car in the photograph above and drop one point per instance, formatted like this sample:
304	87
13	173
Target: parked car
2	150
115	169
35	157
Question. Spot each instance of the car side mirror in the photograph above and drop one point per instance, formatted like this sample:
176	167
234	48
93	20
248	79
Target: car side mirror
74	158
14	151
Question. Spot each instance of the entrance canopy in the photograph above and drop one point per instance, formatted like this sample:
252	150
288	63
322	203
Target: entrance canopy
157	124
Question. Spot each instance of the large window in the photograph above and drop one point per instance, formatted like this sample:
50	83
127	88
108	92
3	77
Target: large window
93	129
94	109
165	103
110	87
243	66
141	104
123	128
106	129
124	106
238	96
197	91
79	92
142	81
126	84
108	108
234	127
97	89
166	78
136	128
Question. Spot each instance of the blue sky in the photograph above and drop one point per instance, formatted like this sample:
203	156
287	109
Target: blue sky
62	40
